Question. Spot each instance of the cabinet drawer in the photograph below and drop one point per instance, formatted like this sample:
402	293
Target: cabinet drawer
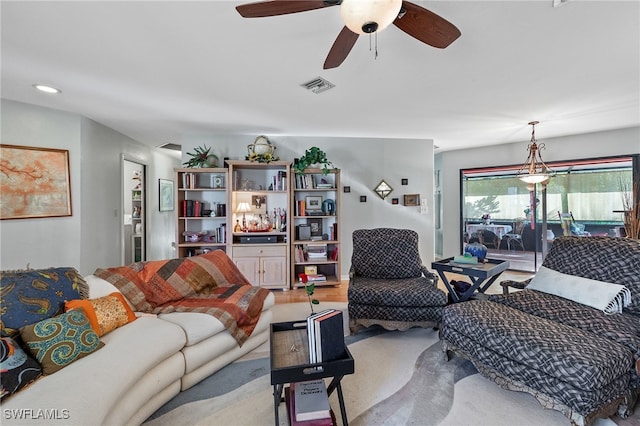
259	251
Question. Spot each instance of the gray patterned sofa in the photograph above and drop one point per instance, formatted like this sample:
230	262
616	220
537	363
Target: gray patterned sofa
388	284
572	357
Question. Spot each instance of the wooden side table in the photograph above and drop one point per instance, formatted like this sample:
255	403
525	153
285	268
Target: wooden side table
482	275
289	347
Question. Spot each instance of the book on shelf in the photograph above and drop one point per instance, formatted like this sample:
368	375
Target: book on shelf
311	401
279	181
315	278
188	180
323	185
188	208
291	411
334	254
300	207
312	278
317	249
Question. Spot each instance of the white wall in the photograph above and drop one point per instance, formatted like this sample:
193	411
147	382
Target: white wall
91	237
363	164
42	243
590	145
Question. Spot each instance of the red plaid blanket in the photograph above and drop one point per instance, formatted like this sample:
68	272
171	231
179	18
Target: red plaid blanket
210	283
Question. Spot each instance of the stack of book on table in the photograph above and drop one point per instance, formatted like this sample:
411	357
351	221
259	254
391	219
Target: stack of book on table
308	404
325	331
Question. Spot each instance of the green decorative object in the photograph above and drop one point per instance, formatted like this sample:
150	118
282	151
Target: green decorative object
201	157
313	155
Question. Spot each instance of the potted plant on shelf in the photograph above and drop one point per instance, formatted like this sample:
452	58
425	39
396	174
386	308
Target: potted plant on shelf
200	157
312	156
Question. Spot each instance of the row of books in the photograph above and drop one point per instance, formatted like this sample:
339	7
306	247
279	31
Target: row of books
192	180
189	181
315	278
315	253
279	181
312	182
192	208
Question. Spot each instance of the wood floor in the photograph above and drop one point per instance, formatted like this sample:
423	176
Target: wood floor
339	293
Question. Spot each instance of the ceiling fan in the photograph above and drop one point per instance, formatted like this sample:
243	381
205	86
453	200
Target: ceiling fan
364	17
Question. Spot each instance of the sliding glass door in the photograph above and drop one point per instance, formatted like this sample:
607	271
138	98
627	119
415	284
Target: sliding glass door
518	222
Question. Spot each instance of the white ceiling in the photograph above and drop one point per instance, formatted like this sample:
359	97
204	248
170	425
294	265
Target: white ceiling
158	71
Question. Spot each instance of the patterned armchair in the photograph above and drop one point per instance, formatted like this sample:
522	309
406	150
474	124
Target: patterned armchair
389	285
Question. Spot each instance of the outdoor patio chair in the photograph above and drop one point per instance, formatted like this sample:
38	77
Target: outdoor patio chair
571	227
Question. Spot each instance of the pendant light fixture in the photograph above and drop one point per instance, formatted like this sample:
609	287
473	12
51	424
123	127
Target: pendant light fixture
534	170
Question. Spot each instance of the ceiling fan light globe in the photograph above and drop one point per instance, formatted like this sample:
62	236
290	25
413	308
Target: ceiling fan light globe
360	16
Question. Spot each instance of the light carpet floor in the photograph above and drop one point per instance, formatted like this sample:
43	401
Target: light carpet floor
401	378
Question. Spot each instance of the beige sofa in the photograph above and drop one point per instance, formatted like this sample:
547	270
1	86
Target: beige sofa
143	365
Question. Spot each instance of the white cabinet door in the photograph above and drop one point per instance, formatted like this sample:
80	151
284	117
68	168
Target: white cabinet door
250	267
274	271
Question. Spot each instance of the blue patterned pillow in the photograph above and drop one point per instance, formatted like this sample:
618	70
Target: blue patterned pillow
57	342
32	295
18	369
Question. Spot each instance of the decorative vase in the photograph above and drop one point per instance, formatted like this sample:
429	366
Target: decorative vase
211	161
476	249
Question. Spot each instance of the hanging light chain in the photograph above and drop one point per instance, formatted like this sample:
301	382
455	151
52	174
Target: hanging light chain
375	47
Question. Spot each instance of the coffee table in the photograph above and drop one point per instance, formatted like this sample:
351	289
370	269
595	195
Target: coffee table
482	275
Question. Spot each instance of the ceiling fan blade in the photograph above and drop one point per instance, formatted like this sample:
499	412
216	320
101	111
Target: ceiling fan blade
280	7
426	26
340	49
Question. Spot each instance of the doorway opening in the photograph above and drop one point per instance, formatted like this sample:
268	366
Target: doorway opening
134	235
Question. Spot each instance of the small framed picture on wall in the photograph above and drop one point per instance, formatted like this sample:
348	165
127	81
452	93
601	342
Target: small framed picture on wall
412	199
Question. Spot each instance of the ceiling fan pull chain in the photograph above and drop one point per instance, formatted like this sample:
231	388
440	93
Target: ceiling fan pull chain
375	47
376	55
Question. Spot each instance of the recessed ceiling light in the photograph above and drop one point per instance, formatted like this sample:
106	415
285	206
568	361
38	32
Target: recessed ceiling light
47	89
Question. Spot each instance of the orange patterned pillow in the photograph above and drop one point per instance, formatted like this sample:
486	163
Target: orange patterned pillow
105	313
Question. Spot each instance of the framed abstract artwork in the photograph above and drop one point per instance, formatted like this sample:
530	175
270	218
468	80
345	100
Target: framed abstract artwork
166	194
36	182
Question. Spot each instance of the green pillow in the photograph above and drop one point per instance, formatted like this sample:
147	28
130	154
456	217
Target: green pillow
57	342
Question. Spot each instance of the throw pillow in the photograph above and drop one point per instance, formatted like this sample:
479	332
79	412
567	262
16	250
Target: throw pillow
32	295
105	313
57	342
608	297
18	369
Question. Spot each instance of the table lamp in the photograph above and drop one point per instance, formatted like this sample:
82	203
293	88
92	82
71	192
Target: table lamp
243	208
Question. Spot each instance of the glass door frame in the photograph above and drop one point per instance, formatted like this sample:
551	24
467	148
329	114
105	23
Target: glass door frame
537	190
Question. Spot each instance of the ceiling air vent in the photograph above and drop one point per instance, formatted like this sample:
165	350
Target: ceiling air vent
171	146
318	85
